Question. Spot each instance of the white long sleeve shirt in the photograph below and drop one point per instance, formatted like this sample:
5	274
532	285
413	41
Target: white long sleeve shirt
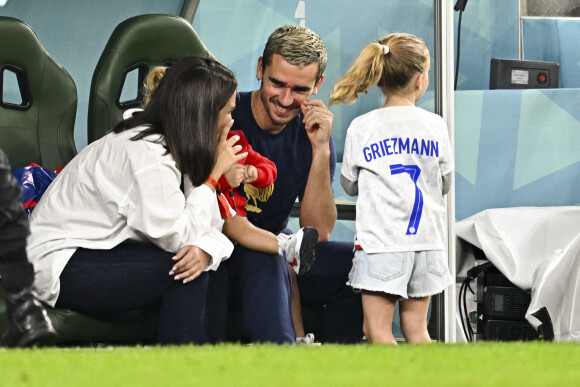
118	190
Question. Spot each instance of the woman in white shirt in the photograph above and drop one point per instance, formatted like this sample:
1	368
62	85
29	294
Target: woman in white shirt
116	230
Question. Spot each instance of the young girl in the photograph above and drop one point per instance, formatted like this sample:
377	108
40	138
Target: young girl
398	160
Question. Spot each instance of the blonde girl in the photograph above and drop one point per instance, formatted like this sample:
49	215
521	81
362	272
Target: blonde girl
398	160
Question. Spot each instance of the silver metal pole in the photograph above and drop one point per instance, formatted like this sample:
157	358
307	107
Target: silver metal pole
189	9
444	106
520	33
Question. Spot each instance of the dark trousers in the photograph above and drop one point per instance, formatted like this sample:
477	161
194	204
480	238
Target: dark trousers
135	277
15	271
324	286
259	285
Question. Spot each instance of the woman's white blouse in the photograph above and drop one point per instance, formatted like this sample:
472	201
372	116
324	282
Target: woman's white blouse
118	190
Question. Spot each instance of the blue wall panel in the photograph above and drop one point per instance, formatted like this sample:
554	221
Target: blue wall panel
555	40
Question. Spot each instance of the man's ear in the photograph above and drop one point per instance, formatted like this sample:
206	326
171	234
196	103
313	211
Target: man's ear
259	69
317	85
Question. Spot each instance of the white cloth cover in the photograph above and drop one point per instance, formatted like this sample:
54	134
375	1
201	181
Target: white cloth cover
536	248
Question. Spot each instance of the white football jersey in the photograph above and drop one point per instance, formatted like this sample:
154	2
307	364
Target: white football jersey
398	156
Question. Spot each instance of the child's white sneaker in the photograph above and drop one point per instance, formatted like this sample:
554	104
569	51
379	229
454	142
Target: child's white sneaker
308	339
298	249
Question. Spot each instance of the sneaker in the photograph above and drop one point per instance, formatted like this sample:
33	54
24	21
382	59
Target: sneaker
298	249
308	339
27	323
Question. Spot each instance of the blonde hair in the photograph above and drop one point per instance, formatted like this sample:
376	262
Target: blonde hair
390	63
298	45
153	79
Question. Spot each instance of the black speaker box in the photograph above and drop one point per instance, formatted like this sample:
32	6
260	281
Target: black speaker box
501	309
523	74
505	303
501	330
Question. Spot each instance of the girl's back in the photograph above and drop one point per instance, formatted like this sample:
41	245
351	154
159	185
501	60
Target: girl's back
398	154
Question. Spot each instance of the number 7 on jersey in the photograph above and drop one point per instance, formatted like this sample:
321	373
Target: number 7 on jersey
414	172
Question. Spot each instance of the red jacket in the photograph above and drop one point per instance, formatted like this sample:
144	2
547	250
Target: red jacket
266	175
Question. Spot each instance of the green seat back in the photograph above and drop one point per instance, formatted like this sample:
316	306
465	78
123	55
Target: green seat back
39	127
136	46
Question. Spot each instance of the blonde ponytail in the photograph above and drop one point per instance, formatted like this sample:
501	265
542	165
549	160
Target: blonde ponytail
365	73
389	63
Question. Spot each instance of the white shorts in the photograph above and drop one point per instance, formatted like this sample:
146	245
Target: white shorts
405	274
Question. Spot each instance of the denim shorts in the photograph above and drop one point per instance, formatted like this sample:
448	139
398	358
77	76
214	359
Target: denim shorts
405	274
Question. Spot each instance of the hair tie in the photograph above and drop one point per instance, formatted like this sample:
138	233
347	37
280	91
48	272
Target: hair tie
386	49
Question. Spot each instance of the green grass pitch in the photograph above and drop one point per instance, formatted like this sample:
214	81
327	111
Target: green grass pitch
475	364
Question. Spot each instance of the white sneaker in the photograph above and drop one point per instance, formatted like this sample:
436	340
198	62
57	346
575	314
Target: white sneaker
308	339
298	249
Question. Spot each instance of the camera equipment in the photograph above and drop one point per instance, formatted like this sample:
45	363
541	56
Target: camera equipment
500	305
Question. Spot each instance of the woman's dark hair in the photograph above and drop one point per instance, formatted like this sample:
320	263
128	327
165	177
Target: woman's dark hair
184	109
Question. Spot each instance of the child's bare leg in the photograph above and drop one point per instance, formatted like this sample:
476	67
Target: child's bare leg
378	309
297	249
413	312
295	305
240	230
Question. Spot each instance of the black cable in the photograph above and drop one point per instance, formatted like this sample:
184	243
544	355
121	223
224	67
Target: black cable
461	317
459	6
467	319
463	313
458	49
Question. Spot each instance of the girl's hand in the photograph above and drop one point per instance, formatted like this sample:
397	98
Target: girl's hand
191	262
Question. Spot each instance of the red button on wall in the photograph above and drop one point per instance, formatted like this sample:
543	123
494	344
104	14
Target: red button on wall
542	78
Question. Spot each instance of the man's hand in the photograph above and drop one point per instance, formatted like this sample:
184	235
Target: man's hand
318	123
191	262
317	208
